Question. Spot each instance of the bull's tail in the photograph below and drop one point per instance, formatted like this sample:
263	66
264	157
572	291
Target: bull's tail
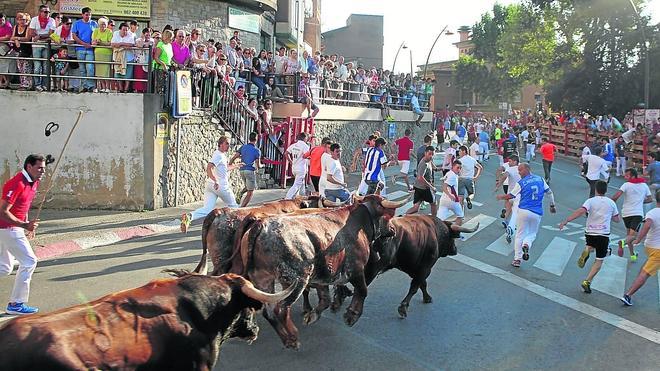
245	241
202	266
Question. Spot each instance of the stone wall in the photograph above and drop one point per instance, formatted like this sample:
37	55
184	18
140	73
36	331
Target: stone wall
351	135
199	139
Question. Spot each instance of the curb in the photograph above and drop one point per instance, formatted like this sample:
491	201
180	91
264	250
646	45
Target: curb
60	248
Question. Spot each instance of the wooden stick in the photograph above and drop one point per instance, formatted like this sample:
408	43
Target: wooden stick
57	164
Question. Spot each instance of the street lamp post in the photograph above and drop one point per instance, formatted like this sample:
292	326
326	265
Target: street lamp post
402	46
641	26
431	50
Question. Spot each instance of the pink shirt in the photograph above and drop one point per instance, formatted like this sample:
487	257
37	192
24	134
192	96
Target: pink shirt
181	53
5	30
405	145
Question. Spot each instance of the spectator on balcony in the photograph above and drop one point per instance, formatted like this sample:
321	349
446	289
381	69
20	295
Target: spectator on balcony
39	31
123	55
271	63
163	55
195	40
142	56
291	67
19	37
305	97
414	105
304	62
180	50
82	33
280	61
5	49
60	67
246	64
259	72
111	25
232	55
273	92
101	38
57	18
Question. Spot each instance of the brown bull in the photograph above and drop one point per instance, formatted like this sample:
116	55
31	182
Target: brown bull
326	248
220	227
168	324
418	242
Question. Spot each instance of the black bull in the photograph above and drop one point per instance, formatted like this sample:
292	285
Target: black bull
418	242
329	248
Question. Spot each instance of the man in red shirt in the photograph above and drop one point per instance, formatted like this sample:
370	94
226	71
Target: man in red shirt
314	156
17	195
405	147
548	153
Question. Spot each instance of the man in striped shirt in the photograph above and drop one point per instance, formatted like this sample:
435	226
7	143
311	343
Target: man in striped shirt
375	162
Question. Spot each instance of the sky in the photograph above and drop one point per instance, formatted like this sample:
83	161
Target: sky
418	22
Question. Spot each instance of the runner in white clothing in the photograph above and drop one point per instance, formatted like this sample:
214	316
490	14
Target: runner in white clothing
449	201
470	171
650	230
510	175
217	185
601	210
532	190
635	194
295	156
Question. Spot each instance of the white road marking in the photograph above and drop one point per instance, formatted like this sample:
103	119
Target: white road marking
611	279
574	233
396	195
590	310
483	220
555	256
501	247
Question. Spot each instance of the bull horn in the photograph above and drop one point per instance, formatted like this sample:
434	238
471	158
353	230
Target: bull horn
358	198
395	205
248	289
459	228
328	203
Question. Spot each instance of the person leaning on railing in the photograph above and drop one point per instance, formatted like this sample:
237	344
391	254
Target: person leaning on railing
163	55
101	38
82	33
5	50
39	31
123	42
142	57
20	38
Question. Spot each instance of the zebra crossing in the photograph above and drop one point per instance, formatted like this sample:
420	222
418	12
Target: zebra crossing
555	256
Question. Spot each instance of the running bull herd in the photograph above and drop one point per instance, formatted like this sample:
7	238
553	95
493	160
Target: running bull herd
179	323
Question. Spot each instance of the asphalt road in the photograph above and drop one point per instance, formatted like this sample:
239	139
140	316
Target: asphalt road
485	315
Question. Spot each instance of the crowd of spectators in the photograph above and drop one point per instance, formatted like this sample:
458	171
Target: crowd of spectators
121	52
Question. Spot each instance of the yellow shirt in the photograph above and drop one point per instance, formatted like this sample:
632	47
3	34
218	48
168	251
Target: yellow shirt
105	37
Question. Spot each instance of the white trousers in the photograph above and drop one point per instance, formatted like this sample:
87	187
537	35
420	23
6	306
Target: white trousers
620	166
381	177
298	186
15	246
211	197
527	224
529	154
514	212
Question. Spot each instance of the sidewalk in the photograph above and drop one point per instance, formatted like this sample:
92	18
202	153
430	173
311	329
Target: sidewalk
64	232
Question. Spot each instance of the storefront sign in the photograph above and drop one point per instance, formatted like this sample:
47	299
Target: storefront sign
110	8
245	21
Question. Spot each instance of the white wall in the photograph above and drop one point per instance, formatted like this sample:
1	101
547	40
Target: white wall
103	164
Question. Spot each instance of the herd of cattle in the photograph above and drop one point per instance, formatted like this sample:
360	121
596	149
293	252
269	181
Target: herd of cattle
179	323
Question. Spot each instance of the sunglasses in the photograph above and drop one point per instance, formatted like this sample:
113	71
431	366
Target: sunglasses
45	11
68	23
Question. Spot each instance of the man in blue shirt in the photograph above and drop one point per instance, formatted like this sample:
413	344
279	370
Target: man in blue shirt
82	34
250	156
484	139
460	131
532	189
375	162
653	172
609	152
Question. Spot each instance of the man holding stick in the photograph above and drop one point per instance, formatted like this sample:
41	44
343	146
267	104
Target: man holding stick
17	195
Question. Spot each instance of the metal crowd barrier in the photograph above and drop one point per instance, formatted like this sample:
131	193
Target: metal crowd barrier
48	72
